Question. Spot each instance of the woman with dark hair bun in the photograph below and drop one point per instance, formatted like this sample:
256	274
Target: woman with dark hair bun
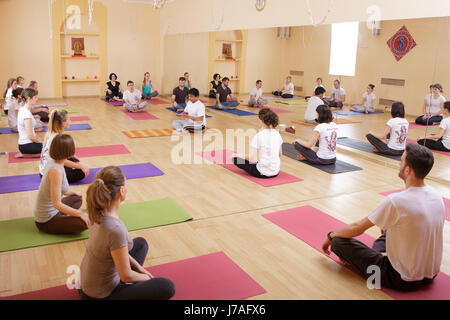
396	131
325	133
113	89
265	148
213	85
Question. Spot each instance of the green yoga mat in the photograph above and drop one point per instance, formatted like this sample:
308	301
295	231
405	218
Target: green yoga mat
292	102
23	233
69	110
3	113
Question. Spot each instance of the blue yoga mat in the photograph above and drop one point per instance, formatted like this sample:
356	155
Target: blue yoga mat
73	127
350	112
32	181
237	112
170	109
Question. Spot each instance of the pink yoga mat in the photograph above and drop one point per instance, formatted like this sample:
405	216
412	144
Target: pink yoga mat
413	125
311	226
446	202
80	118
209	277
142	115
223	158
434	151
84	152
157	101
276	110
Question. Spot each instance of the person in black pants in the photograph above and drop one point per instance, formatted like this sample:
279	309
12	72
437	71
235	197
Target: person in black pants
113	89
432	106
440	141
213	85
408	255
288	89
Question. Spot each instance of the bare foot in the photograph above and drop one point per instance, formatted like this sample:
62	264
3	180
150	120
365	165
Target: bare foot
18	155
301	158
375	150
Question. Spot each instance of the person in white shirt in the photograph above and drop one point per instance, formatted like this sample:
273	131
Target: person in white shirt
265	148
20	82
433	107
14	109
337	95
440	141
133	99
368	102
313	103
10	86
408	255
256	99
287	91
395	133
325	134
194	113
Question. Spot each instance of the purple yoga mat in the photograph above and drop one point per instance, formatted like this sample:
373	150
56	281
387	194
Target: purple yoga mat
32	181
72	127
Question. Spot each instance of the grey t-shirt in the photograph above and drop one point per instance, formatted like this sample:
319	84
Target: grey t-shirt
44	209
98	272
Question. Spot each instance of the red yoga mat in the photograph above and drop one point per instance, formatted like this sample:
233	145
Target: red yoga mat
434	151
84	152
80	118
223	158
142	115
157	101
276	110
446	202
311	226
209	277
413	125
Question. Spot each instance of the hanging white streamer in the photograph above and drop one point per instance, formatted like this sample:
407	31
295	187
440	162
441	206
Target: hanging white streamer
91	10
310	38
308	7
216	25
50	16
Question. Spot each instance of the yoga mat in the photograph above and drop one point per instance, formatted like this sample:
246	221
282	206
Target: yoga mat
142	115
446	202
61	104
148	133
71	110
413	125
72	127
81	152
23	233
338	167
157	101
276	110
80	118
32	181
363	146
350	112
114	103
435	151
293	102
212	276
223	158
312	226
237	112
337	121
170	109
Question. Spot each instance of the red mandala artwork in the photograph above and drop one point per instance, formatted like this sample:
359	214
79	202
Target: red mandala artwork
401	43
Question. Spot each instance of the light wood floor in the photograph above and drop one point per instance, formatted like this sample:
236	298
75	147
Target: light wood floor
227	209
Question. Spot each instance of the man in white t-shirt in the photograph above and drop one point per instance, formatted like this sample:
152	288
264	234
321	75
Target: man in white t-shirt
133	99
256	99
409	253
337	95
194	113
313	103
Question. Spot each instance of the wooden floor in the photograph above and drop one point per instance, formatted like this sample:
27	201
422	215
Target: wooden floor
227	209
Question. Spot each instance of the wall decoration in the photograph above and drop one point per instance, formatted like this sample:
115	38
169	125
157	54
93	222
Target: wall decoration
227	51
401	43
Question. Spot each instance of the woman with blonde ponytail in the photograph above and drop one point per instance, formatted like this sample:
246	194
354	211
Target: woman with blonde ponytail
112	267
75	170
54	214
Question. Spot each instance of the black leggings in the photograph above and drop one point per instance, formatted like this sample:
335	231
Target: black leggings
285	95
212	94
112	95
30	148
249	167
433	144
311	156
429	121
74	175
383	147
153	289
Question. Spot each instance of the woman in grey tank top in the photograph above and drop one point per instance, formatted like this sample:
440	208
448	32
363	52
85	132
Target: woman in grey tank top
112	267
52	213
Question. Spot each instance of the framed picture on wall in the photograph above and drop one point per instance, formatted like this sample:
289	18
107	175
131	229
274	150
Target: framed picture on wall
78	46
227	51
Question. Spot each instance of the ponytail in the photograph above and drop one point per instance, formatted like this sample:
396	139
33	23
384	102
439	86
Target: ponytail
55	124
103	191
143	82
27	93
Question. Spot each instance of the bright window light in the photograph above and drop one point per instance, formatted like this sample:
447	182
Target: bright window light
344	43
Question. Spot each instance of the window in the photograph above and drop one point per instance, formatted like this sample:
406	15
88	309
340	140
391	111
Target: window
344	44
